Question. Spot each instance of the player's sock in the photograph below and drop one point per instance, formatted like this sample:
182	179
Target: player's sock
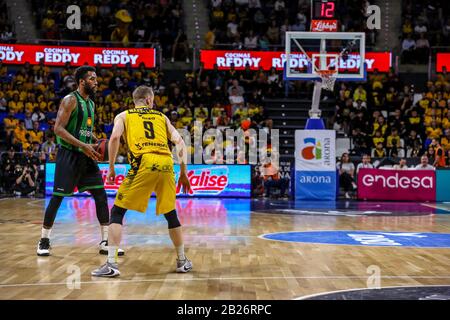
180	252
45	233
112	254
104	230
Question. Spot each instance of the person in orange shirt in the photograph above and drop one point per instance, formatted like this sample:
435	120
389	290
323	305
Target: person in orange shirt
272	179
36	134
439	155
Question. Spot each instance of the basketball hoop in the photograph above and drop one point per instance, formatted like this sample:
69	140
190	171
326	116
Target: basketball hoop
328	78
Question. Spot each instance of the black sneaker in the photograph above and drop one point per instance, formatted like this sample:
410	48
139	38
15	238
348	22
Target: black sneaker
43	248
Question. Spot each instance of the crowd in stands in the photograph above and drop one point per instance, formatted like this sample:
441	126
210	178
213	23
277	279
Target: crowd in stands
255	24
392	122
119	22
6	29
30	98
424	24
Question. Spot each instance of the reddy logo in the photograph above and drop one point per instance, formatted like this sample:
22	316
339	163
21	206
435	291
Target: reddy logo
7	53
313	150
206	181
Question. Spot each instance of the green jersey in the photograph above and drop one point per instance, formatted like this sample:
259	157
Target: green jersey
81	122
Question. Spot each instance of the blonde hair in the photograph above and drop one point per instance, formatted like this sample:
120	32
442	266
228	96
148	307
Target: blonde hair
141	93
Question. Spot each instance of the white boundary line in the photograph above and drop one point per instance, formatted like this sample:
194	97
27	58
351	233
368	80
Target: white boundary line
361	289
111	281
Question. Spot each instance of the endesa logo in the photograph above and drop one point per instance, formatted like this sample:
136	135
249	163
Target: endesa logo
313	150
209	181
395	181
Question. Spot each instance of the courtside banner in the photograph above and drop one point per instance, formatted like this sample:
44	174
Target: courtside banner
77	56
315	164
315	150
413	185
206	180
442	60
268	59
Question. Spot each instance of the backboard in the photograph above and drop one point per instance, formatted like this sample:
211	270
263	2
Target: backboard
307	53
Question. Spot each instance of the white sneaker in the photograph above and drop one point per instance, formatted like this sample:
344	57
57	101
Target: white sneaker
188	61
108	270
172	60
184	266
347	196
103	248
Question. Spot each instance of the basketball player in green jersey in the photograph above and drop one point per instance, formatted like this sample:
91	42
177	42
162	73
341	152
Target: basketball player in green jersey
76	164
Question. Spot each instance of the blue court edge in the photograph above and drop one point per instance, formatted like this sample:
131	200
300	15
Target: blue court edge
366	238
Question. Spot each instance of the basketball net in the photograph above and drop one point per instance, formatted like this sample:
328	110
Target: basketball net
328	78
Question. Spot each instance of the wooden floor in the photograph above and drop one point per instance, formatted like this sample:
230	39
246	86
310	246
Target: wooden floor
222	239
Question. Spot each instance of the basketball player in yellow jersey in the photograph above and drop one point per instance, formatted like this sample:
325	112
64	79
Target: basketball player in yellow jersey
147	133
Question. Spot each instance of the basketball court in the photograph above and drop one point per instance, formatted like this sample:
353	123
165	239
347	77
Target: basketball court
240	248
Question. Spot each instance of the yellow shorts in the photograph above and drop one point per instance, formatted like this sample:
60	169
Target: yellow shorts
153	173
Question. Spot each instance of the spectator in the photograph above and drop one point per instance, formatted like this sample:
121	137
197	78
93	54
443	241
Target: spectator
8	166
25	183
439	156
36	134
251	40
272	179
180	43
379	151
408	49
366	163
49	146
422	49
346	174
37	115
424	164
401	165
28	121
210	38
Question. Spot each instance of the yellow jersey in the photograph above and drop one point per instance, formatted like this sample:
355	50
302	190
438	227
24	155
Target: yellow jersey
146	132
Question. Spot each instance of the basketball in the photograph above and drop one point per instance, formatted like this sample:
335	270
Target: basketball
102	148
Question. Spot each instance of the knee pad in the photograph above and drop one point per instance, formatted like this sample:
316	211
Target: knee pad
117	214
172	219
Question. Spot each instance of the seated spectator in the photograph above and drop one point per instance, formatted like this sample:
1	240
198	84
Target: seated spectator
272	179
25	182
236	100
439	154
401	165
10	123
430	153
346	174
28	121
422	49
445	140
414	144
8	165
49	146
366	163
424	165
393	142
408	49
37	115
36	134
257	184
379	151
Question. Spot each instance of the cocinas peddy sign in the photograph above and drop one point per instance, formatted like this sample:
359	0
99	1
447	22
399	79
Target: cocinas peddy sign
76	56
